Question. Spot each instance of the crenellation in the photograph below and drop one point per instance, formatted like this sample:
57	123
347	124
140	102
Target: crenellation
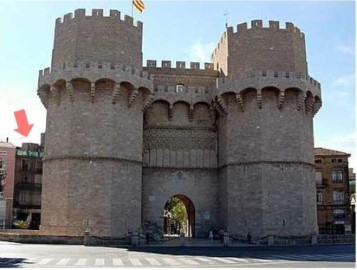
289	26
181	64
151	63
58	21
46	71
256	24
97	12
67	17
194	65
242	27
209	66
80	13
274	24
113	13
129	20
165	64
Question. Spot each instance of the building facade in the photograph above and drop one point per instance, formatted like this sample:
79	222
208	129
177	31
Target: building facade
7	155
28	184
232	140
332	190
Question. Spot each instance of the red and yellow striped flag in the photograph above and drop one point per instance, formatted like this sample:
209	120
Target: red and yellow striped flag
139	5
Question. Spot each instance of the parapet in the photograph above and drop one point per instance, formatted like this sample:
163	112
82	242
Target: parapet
98	13
166	64
96	67
272	25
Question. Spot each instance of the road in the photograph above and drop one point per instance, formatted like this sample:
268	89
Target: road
37	256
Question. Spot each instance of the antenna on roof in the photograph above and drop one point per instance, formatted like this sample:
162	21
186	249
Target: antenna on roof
226	15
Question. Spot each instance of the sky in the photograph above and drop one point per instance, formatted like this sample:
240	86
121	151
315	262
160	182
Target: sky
186	31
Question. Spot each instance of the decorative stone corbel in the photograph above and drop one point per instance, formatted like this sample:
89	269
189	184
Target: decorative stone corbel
115	95
301	101
92	91
281	99
132	97
240	102
259	98
69	89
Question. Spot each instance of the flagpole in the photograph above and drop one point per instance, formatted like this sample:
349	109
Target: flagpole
132	9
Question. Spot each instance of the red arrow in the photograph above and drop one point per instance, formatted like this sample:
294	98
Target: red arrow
23	126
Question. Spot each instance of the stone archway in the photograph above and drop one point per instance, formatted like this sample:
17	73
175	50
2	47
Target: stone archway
173	227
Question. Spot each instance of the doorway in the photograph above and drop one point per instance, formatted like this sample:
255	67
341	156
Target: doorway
179	216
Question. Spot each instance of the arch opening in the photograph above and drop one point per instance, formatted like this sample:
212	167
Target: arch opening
179	216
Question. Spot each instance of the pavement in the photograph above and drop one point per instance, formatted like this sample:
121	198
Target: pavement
77	256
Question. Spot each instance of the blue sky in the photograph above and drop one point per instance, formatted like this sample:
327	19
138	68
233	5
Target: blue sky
188	31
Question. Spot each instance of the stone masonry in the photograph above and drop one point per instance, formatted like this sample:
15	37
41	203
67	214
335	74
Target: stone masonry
234	137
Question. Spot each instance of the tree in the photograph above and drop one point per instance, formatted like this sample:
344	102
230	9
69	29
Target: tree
178	210
21	224
2	175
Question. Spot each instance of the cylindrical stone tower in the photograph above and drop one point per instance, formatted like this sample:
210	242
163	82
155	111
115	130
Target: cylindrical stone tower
267	102
94	94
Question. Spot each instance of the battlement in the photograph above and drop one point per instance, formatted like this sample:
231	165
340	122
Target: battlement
275	48
165	64
275	74
95	67
258	24
96	14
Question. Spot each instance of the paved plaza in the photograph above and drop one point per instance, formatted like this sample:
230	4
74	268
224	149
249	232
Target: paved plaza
37	256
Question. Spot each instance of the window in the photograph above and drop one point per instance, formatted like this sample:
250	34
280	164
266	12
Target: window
25	165
333	160
337	176
338	214
319	197
180	88
23	198
339	160
338	197
318	161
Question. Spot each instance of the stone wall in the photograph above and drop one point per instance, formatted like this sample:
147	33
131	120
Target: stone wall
97	38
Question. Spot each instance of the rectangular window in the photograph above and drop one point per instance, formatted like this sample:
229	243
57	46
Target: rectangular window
23	198
318	161
180	88
333	160
319	197
339	160
25	165
338	214
337	176
338	197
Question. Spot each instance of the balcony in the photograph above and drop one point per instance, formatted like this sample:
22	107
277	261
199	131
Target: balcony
338	202
28	186
24	205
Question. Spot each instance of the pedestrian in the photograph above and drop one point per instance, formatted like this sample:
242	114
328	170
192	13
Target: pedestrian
210	236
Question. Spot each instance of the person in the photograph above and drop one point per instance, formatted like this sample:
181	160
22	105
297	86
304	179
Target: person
249	238
210	236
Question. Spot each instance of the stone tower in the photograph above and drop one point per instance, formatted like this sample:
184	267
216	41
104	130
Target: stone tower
94	94
267	102
232	140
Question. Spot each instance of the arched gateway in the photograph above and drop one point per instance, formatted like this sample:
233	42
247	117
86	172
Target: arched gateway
179	216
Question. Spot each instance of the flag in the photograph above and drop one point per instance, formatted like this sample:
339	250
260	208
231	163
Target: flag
139	5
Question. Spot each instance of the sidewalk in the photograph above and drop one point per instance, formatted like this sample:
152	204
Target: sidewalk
196	242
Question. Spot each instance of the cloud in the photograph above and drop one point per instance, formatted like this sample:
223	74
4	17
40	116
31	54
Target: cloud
346	49
346	80
202	52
